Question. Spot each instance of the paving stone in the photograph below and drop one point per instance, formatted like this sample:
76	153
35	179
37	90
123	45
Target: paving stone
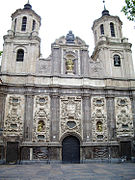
91	171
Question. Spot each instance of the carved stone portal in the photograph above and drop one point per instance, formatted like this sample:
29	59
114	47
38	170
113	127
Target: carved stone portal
70	115
14	116
41	119
99	119
124	119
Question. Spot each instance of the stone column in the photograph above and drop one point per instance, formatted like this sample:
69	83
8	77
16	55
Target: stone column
28	117
85	63
55	117
87	124
111	119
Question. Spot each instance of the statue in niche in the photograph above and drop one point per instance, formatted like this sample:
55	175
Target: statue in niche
40	126
99	126
69	66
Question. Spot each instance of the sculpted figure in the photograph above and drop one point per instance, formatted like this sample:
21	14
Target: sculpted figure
99	127
40	126
69	65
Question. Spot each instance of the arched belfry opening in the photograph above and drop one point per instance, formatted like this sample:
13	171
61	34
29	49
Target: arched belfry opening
71	150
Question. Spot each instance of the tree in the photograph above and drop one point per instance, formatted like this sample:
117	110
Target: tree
1	53
129	9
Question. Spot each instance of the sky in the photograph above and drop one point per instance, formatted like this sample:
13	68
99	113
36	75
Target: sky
60	16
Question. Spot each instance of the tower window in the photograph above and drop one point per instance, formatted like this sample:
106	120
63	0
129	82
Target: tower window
24	22
33	25
102	29
117	61
112	29
20	55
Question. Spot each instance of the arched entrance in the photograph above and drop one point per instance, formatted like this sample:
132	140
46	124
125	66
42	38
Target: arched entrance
71	150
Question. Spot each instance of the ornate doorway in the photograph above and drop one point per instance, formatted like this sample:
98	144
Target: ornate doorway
71	150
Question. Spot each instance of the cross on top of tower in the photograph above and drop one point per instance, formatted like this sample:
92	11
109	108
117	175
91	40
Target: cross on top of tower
27	6
104	4
105	11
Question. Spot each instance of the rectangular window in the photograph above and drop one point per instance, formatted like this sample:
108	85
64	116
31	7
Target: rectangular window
33	25
102	29
112	29
24	22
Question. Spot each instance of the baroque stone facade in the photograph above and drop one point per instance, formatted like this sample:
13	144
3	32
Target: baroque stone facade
71	106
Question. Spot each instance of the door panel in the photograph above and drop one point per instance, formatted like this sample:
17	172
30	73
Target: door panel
12	152
126	149
71	150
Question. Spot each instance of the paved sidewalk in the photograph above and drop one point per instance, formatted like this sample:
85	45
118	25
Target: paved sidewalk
92	171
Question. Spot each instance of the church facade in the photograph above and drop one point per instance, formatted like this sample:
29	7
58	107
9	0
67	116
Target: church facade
70	107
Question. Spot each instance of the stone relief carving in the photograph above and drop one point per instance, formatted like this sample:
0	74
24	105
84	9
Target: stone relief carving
70	115
14	115
124	119
99	119
41	118
96	68
43	66
100	152
40	153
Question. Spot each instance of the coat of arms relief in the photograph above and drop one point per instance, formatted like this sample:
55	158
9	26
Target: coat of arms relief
14	115
71	115
124	119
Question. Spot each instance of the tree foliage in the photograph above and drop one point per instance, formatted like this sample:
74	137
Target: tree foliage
129	9
1	53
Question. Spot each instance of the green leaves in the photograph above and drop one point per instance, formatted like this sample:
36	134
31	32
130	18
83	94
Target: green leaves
129	9
1	53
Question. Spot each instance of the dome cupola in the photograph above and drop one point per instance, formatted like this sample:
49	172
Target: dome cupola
107	27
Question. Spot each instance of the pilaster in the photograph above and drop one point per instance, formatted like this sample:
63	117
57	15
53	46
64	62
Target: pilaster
28	118
55	117
87	124
111	121
56	60
85	67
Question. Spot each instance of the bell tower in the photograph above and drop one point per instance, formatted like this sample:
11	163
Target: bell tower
22	43
111	48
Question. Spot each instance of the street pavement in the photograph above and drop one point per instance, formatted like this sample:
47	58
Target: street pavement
91	171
